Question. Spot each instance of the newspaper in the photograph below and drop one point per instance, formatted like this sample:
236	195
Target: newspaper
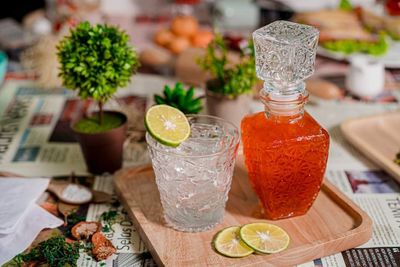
35	134
131	250
33	141
376	192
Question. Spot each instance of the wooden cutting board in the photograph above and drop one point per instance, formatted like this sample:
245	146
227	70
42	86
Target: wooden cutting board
333	224
378	138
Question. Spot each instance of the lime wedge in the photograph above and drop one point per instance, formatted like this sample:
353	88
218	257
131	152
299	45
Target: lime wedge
228	243
264	237
167	125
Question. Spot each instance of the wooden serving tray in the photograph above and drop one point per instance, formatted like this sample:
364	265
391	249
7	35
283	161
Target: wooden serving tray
378	138
333	224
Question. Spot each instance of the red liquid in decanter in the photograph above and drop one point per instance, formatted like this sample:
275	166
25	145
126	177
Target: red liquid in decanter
286	161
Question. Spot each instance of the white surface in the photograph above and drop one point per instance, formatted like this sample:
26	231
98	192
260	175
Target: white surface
126	8
365	78
17	194
35	220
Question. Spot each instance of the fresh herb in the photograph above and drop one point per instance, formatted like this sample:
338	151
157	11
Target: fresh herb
355	46
345	5
397	159
87	248
180	98
230	81
108	218
55	252
95	61
102	264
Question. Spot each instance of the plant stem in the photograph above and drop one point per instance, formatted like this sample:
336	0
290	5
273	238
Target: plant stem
101	112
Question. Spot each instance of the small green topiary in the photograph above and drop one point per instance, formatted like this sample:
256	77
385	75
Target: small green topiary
95	61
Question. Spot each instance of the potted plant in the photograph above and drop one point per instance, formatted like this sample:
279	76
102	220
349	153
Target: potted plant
95	61
179	98
228	93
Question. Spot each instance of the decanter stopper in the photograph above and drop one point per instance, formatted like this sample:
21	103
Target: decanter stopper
285	55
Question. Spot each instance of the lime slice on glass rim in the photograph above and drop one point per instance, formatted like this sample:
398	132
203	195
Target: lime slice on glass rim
167	125
228	243
264	237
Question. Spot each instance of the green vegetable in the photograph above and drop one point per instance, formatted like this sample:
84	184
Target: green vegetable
354	46
55	252
397	159
345	5
230	81
180	98
96	60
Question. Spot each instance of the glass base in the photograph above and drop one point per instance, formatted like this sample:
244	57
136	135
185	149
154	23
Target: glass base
182	228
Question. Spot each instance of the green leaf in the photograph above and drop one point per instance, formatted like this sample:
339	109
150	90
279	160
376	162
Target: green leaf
181	98
167	92
189	94
345	5
233	79
159	100
96	60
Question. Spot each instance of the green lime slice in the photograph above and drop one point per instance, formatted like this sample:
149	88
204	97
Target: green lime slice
228	243
167	125
264	237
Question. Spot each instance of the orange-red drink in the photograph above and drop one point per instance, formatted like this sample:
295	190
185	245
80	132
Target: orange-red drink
285	162
285	149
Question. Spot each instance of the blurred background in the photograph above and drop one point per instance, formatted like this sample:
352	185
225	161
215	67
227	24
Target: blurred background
154	27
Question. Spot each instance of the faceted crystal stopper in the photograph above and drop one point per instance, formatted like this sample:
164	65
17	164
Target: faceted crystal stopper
285	53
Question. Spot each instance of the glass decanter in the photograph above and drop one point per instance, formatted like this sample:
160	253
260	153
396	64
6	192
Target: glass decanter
285	149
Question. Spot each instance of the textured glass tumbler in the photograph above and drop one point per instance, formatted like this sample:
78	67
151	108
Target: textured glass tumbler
194	179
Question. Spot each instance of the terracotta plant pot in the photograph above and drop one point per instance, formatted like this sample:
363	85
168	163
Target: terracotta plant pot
230	109
103	151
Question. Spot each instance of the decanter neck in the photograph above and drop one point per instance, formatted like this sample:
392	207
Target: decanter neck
284	105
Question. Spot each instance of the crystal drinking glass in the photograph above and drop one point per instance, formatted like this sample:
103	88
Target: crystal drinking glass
194	178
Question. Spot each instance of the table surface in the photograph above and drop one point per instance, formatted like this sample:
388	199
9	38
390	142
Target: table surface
35	148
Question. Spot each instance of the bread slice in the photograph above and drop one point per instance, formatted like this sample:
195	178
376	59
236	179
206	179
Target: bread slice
376	22
336	24
371	20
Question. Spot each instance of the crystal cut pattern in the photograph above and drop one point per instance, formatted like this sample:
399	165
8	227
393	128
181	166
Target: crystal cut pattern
285	52
194	179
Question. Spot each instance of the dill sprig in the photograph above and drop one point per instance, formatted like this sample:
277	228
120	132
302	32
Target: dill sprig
108	218
55	252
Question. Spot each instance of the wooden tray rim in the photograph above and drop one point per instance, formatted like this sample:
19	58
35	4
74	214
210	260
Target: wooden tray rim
364	227
368	150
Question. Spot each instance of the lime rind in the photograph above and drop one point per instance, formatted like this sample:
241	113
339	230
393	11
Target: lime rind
157	120
264	238
228	243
